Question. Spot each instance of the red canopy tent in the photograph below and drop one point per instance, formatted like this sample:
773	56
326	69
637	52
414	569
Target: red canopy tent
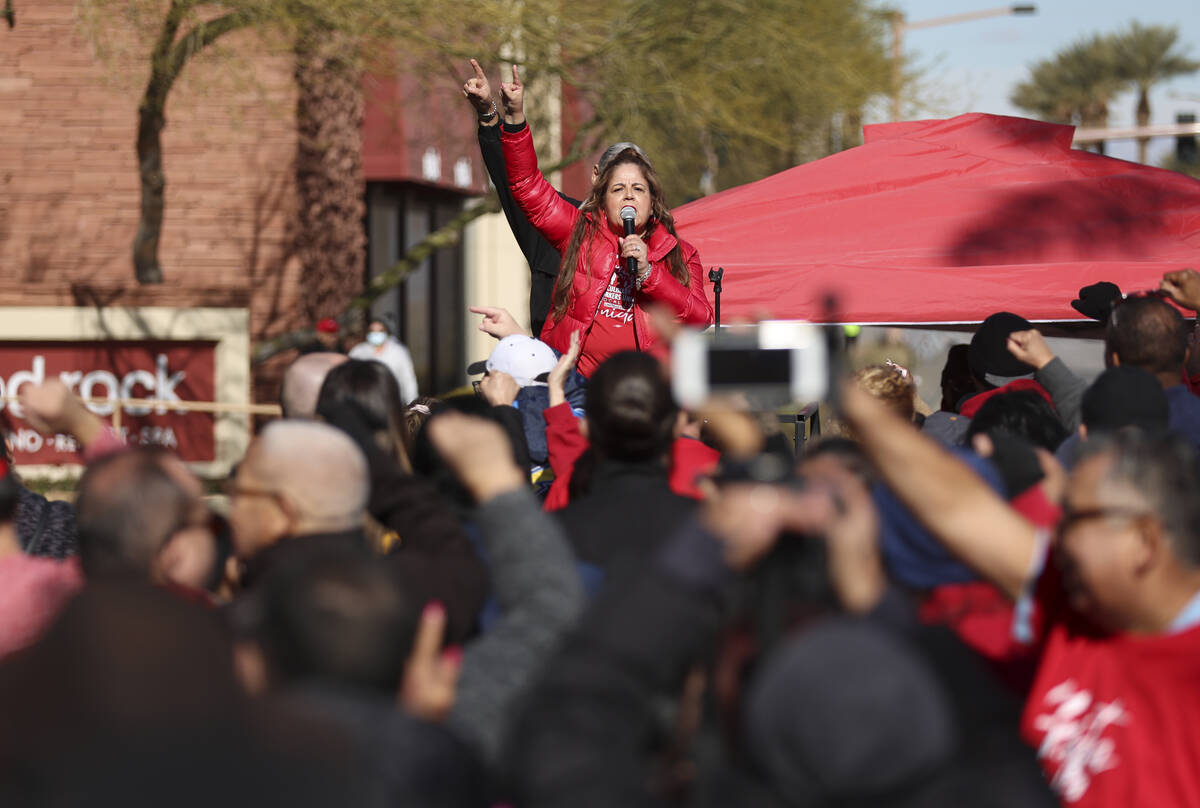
945	222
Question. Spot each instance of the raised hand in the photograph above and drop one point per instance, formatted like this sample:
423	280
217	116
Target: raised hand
496	321
1183	286
513	97
431	675
557	380
748	518
852	539
1030	347
50	408
479	453
499	389
478	91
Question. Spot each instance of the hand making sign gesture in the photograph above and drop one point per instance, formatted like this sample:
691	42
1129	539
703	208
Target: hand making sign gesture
513	97
478	91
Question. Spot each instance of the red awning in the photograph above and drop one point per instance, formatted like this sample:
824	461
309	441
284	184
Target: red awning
945	222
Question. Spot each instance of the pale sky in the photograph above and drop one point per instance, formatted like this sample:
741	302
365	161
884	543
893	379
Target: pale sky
973	66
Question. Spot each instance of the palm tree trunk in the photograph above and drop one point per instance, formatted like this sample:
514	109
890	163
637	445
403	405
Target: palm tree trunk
1143	119
330	242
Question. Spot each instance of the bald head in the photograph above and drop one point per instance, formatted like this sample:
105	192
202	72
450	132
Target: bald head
302	383
319	471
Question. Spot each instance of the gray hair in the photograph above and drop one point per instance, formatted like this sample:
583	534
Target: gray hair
1163	468
616	149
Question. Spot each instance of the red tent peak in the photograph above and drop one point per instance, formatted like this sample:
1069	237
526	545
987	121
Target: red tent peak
978	133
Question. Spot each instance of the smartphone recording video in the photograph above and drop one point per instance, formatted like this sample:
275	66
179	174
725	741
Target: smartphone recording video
774	363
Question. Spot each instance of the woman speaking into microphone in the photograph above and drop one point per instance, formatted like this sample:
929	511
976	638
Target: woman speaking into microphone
619	248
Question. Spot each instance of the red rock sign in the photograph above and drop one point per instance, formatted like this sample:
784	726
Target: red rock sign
111	370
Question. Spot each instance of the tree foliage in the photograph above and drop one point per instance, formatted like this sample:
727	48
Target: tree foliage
183	28
1078	83
1148	55
719	92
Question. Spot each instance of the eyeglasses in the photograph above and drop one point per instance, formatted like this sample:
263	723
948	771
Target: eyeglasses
475	385
1070	518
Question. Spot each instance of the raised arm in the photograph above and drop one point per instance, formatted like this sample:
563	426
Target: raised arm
532	571
1183	286
478	92
549	213
1065	388
51	408
957	507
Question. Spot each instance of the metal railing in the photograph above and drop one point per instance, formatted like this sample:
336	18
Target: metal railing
807	424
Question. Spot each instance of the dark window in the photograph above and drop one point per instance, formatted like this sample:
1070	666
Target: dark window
427	308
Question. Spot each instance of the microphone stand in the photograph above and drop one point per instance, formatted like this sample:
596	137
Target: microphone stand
715	275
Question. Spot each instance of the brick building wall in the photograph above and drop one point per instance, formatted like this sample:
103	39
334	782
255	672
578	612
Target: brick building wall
69	185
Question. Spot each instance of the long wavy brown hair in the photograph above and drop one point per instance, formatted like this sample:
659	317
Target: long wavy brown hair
592	218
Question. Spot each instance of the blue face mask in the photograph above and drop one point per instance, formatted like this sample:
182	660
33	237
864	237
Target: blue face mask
376	338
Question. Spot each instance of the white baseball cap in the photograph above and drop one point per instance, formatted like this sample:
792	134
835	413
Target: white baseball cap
528	360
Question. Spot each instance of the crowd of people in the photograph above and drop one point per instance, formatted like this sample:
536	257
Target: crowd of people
560	589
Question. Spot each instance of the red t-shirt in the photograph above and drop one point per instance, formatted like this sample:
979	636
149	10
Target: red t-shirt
612	328
1115	719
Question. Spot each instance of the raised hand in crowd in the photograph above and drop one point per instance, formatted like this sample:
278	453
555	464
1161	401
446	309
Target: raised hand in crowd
748	518
479	454
513	96
499	388
1030	347
51	407
478	92
497	322
957	507
532	573
557	379
1183	286
431	674
852	538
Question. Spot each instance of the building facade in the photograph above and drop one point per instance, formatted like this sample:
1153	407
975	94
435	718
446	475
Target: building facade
69	201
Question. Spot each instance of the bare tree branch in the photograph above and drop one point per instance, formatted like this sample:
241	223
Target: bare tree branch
167	62
446	236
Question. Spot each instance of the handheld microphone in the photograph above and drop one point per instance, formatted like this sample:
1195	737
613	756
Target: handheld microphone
628	214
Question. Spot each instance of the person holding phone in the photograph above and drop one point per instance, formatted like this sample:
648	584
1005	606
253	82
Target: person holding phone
608	279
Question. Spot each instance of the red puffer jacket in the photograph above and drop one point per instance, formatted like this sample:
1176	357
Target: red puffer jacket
554	218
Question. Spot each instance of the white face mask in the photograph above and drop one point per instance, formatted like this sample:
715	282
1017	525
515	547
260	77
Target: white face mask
376	338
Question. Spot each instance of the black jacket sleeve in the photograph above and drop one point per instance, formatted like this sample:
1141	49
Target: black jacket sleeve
543	259
493	160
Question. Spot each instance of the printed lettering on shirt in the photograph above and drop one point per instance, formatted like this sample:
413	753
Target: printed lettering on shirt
1074	741
618	298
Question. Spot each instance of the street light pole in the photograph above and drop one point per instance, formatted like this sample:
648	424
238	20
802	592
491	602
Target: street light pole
900	27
